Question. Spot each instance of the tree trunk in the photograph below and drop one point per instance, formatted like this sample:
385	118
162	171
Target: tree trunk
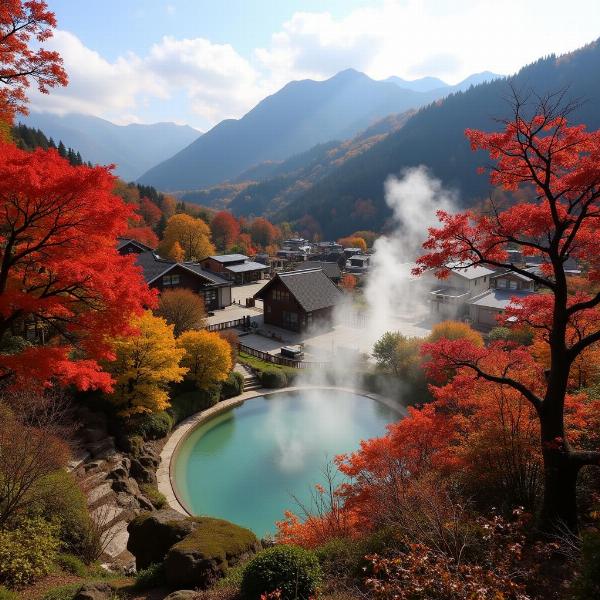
559	508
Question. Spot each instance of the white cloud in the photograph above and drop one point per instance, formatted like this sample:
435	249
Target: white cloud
410	38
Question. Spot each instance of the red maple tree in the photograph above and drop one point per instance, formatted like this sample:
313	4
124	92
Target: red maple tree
62	282
225	230
560	164
22	22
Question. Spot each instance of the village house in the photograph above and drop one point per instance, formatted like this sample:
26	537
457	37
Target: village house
297	300
131	246
164	274
235	267
485	309
358	263
449	301
331	269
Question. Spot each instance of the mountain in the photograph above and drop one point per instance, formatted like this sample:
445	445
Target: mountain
351	197
300	115
133	148
429	84
424	84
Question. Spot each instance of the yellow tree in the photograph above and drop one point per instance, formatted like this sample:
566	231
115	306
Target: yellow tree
207	357
145	366
455	330
192	234
176	252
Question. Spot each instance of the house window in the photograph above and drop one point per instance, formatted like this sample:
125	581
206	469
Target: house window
512	284
501	283
170	280
281	295
210	298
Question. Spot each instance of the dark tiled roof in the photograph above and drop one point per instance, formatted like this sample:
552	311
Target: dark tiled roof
121	242
227	258
197	268
331	269
312	289
152	265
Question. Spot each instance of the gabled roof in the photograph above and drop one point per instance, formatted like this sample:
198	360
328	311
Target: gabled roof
331	269
122	242
311	288
512	274
471	272
153	267
227	258
247	266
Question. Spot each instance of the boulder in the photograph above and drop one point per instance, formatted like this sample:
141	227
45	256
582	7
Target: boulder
94	591
182	595
205	555
151	535
143	470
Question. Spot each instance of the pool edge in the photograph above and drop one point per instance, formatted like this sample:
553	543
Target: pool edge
164	474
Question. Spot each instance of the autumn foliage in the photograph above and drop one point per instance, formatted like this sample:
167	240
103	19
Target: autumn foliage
61	276
24	27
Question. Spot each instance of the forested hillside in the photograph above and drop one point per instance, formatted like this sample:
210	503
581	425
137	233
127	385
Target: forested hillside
351	197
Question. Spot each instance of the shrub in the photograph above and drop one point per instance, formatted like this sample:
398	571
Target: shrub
72	564
232	386
6	594
293	571
150	577
151	492
59	498
152	426
28	552
273	378
587	584
133	444
518	335
188	403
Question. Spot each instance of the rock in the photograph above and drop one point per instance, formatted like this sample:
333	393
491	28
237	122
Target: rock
205	555
144	473
126	485
94	591
151	535
93	433
102	449
182	595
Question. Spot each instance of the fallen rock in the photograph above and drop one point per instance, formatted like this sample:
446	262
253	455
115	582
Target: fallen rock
205	555
94	591
143	470
151	535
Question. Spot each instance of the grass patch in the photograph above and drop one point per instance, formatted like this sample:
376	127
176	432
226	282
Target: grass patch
151	492
151	577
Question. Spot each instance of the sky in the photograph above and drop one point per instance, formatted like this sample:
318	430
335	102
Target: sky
197	62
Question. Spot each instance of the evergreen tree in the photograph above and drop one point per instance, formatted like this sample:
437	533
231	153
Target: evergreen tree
62	150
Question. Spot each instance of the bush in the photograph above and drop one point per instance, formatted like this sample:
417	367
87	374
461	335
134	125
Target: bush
71	564
273	378
232	386
151	426
587	584
133	444
293	571
518	335
59	498
186	404
151	492
6	594
150	577
28	552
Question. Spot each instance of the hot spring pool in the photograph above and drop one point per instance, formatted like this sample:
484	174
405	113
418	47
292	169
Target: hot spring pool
245	464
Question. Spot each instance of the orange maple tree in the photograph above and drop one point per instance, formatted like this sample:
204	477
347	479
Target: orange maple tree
60	274
23	22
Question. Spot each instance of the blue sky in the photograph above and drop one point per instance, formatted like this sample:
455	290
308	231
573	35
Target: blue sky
200	61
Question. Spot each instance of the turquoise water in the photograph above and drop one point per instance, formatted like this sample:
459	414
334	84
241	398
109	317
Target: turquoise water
247	463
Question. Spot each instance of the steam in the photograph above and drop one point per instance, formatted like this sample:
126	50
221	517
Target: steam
392	293
395	299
